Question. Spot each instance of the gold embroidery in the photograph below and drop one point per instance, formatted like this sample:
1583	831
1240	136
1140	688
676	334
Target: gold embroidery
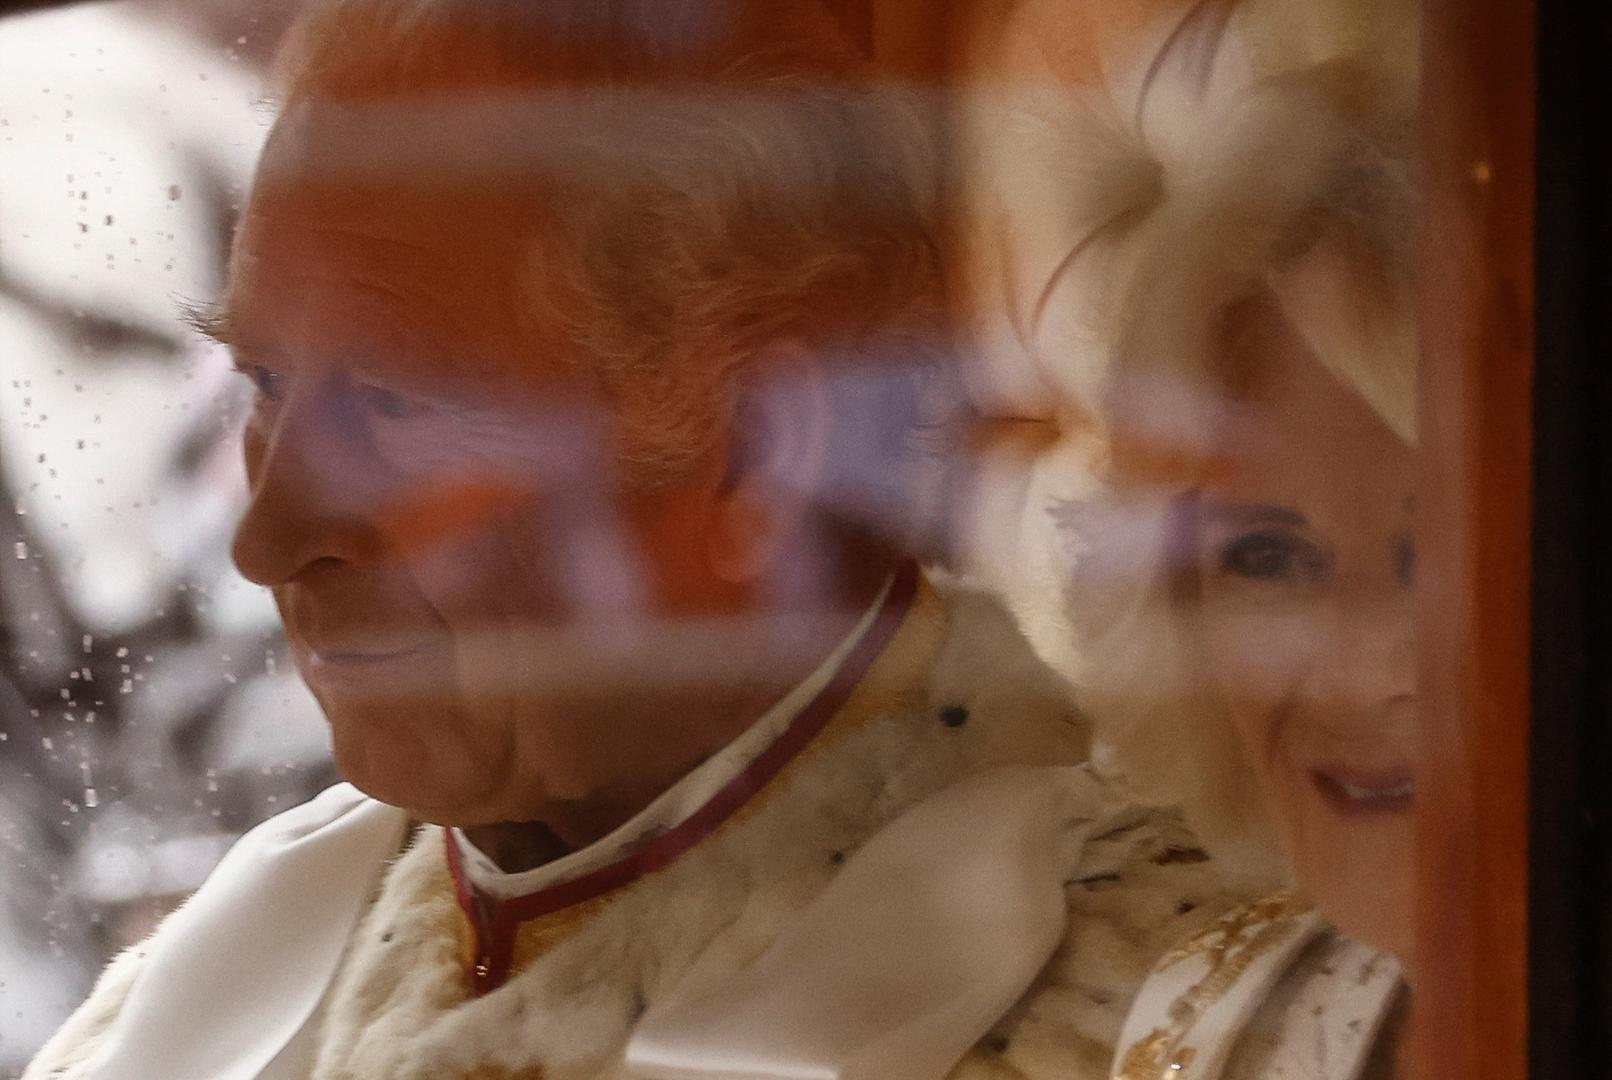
1146	1058
1223	936
1230	945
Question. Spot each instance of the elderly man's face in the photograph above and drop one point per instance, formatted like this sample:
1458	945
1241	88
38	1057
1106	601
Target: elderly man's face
435	507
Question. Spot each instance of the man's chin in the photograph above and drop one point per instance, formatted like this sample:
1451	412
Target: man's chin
405	773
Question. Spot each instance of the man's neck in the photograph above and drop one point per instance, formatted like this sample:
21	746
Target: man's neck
515	846
707	724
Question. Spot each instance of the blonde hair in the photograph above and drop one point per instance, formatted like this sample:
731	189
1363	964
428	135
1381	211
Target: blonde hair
1255	129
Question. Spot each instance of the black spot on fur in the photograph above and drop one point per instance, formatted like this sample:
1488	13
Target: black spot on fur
1185	907
997	1044
954	716
386	937
837	857
639	1004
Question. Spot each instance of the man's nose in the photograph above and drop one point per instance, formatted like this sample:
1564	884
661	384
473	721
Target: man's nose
307	479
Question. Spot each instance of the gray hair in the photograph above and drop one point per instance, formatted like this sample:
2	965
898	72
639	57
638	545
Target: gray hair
710	182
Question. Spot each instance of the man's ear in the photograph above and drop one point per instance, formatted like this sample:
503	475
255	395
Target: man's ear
777	456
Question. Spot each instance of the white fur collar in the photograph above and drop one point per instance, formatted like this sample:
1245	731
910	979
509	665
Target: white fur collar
955	693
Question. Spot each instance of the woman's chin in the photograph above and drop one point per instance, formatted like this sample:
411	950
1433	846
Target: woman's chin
1354	855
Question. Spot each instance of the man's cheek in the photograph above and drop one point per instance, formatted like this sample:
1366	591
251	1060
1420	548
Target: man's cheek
445	512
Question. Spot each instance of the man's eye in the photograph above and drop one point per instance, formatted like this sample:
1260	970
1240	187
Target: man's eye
270	384
1270	555
389	403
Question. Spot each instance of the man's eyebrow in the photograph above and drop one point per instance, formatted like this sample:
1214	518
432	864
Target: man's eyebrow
211	321
1241	513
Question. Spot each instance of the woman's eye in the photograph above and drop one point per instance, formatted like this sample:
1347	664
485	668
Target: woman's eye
1272	556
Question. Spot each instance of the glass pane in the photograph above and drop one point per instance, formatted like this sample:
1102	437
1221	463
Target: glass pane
796	537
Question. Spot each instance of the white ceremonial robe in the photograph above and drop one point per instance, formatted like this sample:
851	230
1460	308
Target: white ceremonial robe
952	694
1000	929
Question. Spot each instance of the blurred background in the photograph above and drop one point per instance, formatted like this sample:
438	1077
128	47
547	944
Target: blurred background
147	712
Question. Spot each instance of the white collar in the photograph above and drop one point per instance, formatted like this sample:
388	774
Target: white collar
1192	1014
677	803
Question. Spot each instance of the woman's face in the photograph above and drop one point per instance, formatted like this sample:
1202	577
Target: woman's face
1305	560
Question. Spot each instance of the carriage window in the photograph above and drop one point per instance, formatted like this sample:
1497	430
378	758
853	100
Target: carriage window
1025	537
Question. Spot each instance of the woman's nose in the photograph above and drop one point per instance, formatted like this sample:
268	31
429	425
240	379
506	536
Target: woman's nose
1367	661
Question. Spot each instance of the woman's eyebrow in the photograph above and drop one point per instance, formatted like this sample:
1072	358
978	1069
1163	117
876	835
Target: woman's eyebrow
1243	513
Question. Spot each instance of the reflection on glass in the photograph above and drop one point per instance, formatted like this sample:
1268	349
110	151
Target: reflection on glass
598	398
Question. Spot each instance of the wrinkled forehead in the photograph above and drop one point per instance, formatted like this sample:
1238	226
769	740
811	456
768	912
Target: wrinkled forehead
453	174
356	239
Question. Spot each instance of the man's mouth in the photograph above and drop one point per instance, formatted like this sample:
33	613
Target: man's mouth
1356	791
365	666
362	658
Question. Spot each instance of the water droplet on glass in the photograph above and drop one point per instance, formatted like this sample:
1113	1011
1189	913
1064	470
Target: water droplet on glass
21	549
91	799
89	642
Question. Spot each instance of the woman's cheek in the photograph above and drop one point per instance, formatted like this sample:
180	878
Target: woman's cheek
1258	654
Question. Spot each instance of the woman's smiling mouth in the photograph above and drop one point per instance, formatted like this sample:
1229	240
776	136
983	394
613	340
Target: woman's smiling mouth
1354	791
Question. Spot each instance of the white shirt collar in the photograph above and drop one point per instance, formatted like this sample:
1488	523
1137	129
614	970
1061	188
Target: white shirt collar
677	803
